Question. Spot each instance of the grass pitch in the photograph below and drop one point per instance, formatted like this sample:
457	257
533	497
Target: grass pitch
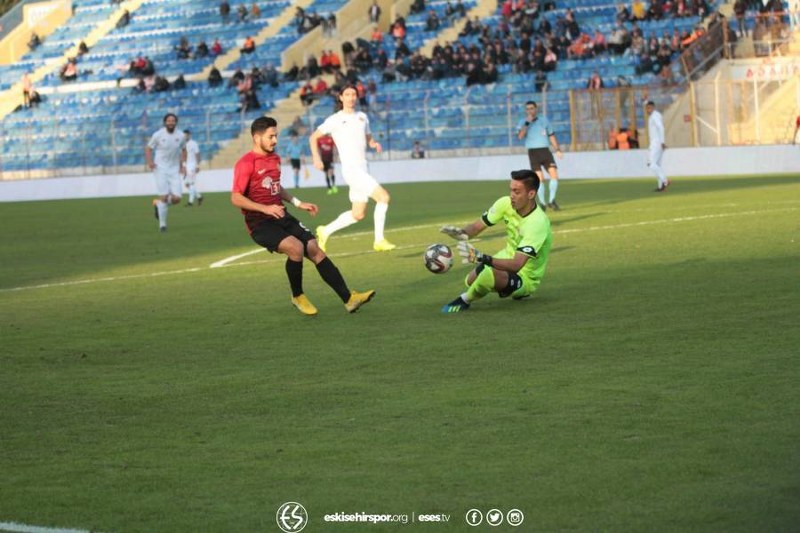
649	385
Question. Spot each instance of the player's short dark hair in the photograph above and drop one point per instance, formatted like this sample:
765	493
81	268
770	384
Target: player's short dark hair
527	177
650	102
189	132
261	124
531	102
170	115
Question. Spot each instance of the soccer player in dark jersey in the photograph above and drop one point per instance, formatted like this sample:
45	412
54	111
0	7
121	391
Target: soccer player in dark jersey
326	146
258	193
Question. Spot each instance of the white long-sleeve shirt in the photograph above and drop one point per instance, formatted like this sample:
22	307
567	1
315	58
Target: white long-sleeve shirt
655	129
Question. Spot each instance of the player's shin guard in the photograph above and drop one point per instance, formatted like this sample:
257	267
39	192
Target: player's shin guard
483	285
192	194
294	271
553	189
331	275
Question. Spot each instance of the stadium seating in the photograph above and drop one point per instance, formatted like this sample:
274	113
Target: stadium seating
107	128
155	30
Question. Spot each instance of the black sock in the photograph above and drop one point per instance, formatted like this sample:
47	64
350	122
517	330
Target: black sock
331	275
294	271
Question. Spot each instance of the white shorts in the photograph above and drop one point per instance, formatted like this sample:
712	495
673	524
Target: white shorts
168	182
361	184
191	176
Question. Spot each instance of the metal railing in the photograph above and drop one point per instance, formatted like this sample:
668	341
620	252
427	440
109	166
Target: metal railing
93	144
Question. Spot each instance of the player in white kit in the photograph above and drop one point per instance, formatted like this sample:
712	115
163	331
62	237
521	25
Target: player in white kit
350	131
655	130
167	166
192	168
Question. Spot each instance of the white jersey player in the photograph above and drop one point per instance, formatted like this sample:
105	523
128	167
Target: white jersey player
192	168
655	130
350	131
169	147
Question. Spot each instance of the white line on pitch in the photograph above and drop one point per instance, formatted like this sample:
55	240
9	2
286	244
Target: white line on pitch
228	262
231	259
350	236
25	528
109	278
669	220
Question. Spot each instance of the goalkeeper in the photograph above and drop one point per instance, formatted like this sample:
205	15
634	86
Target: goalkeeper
516	270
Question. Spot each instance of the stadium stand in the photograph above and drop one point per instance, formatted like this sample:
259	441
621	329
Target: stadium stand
100	123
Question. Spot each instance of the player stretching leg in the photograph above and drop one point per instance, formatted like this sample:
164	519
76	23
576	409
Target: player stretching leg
516	270
350	131
258	193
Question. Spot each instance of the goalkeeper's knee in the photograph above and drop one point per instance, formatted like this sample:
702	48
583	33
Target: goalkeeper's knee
473	275
483	284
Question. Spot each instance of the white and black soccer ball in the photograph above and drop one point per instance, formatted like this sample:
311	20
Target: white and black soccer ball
438	258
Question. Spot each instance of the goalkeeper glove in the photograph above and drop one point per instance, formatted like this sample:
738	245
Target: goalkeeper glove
456	233
469	254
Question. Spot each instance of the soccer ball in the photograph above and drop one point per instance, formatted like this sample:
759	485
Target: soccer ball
438	258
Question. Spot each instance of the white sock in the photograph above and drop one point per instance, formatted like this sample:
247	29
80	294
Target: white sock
341	222
553	189
162	207
192	194
380	220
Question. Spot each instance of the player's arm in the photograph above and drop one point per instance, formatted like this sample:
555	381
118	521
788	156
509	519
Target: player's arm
372	143
522	130
469	254
295	201
467	232
242	202
555	145
316	160
183	160
148	157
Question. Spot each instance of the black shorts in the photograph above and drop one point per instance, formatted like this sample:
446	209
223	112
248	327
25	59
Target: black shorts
327	164
270	232
541	157
295	163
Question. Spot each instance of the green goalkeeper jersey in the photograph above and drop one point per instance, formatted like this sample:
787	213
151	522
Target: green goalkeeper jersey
530	235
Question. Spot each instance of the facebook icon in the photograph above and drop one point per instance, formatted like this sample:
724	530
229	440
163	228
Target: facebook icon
474	517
